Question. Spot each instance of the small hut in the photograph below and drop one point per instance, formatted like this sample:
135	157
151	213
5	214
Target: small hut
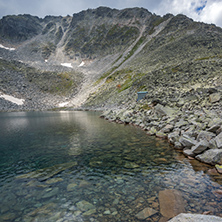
141	95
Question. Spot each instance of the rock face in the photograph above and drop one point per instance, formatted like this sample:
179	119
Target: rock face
195	218
171	203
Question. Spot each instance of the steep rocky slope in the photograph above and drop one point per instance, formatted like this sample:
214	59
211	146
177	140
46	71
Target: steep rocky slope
109	55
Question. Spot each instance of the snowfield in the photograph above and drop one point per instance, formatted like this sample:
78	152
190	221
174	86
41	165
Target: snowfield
69	65
12	99
3	47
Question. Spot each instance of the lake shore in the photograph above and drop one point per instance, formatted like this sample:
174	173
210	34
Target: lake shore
197	133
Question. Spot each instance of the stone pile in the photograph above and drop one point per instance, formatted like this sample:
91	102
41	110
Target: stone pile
198	133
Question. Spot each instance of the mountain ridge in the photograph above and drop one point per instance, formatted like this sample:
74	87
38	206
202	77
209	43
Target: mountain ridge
110	48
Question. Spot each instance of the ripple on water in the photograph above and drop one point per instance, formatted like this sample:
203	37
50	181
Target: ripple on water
76	167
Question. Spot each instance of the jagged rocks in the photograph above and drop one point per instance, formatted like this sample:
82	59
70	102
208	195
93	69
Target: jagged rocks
218	141
212	156
164	110
215	97
194	132
200	147
187	141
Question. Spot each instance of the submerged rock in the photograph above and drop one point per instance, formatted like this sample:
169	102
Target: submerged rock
85	206
145	213
171	203
46	173
131	165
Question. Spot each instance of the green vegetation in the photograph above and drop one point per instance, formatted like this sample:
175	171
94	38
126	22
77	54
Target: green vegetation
145	107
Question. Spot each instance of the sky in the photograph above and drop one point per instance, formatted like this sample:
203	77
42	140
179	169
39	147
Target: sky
208	11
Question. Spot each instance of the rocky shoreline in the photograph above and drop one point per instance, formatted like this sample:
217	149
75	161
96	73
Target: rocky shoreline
197	133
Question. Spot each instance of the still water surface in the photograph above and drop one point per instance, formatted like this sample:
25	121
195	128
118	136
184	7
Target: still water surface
74	166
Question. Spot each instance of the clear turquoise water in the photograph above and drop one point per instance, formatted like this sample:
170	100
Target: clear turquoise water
115	172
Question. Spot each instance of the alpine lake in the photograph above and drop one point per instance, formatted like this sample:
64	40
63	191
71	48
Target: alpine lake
74	166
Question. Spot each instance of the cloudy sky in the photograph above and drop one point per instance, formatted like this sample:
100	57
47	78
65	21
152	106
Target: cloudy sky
209	11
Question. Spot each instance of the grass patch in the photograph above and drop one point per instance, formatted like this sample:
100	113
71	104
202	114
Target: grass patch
145	107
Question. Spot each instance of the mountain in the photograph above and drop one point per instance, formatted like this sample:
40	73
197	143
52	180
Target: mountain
102	57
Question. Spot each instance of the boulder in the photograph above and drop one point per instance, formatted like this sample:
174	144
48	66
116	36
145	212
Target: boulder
212	144
212	156
200	147
187	141
214	128
181	123
205	135
161	134
164	110
168	128
171	203
195	217
188	152
174	137
152	131
215	97
219	168
218	140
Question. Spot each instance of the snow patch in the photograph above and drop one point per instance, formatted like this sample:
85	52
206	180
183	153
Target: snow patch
69	65
82	64
13	99
63	104
3	47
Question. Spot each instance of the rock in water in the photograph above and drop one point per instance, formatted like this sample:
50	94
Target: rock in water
195	218
171	203
212	156
145	213
84	205
219	168
46	173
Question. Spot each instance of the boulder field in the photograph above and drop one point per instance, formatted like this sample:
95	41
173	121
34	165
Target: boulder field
197	133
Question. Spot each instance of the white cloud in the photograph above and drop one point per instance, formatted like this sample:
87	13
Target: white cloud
209	11
212	13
